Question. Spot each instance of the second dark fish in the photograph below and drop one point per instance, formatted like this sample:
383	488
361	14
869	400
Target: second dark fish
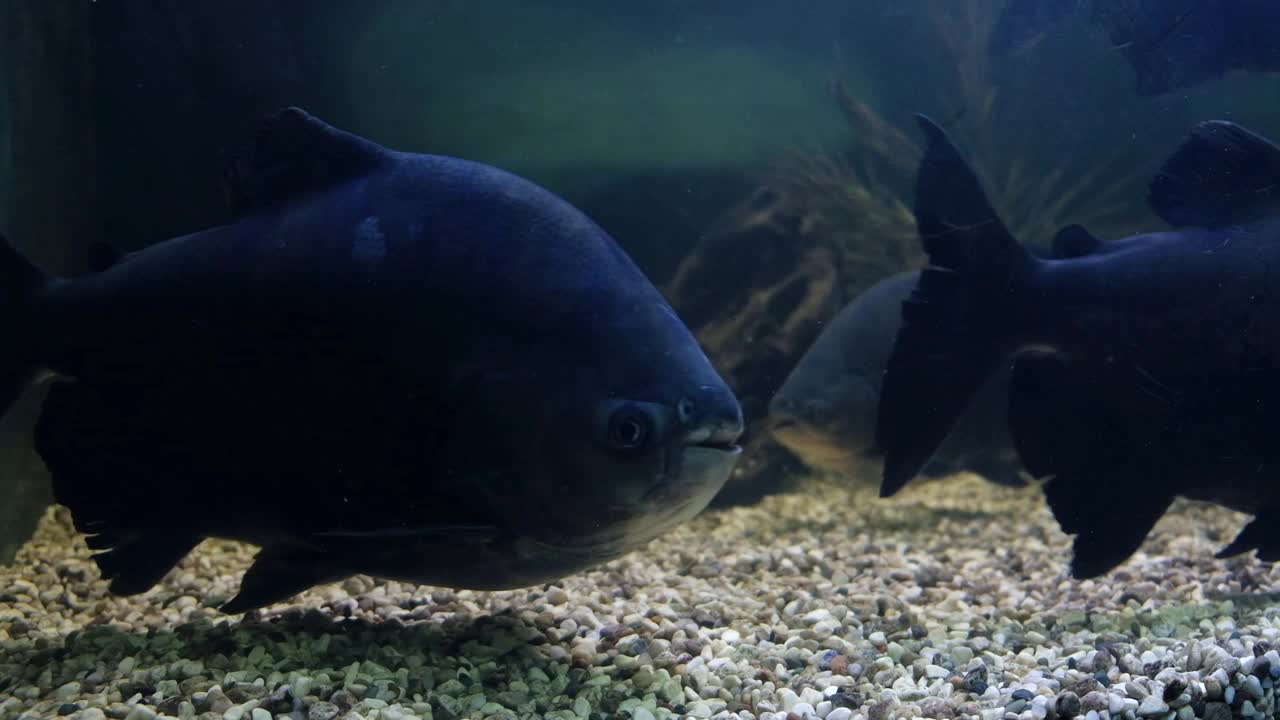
825	412
1170	44
1152	363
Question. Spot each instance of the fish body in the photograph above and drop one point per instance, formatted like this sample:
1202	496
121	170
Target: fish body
825	411
1145	370
406	365
1170	44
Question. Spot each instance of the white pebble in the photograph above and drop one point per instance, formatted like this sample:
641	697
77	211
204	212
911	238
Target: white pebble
815	616
698	709
788	698
1253	687
1152	705
804	710
840	713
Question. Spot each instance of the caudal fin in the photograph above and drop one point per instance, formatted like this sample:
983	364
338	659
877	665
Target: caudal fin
19	281
957	323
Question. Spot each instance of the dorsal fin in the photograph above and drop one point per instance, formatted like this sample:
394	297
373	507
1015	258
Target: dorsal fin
1073	241
1222	174
294	154
103	255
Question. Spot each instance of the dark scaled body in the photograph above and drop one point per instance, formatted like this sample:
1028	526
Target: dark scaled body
1170	44
1148	368
411	366
825	412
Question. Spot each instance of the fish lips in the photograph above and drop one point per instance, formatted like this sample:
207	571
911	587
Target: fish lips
695	475
702	472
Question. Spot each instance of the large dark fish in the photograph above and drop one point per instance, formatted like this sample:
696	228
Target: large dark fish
1171	44
1152	364
411	366
825	412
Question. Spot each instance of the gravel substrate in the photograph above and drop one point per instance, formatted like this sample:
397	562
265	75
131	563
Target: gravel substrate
950	600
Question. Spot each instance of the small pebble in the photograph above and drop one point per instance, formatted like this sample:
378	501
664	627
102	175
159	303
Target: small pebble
1067	704
1151	706
789	609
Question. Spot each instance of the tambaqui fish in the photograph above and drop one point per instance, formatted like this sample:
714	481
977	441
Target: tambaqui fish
825	411
1170	44
1152	362
412	366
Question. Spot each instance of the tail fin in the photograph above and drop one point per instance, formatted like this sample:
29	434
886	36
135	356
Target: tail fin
19	280
958	321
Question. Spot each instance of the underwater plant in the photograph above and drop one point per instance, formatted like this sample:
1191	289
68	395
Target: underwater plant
1102	193
818	229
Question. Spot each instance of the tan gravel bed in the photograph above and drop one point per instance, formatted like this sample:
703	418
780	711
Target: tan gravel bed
950	600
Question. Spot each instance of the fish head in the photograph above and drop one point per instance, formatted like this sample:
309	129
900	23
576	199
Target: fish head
828	422
826	410
632	436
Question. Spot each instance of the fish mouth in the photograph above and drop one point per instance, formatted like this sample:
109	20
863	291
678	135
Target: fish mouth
726	447
715	437
704	469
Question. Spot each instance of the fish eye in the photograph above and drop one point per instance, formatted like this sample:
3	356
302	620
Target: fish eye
630	429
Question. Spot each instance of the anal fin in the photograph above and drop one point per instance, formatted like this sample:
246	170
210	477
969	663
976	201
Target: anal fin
137	562
1261	534
1097	440
1109	512
281	571
124	489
